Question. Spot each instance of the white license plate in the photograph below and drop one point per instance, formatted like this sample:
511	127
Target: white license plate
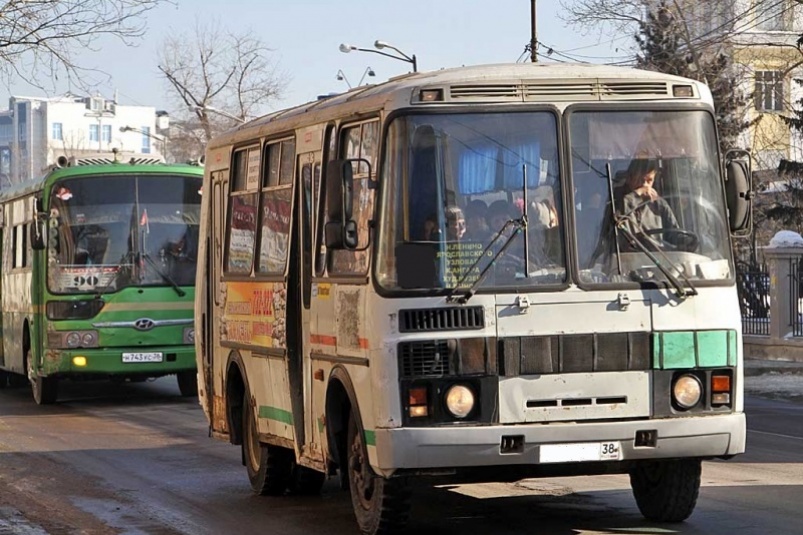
143	357
584	451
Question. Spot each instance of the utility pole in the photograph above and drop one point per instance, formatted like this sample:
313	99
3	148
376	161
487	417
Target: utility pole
533	36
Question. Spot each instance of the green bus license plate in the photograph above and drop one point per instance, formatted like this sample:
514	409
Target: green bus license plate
586	451
143	357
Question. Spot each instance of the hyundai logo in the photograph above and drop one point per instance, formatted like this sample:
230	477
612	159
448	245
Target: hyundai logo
144	324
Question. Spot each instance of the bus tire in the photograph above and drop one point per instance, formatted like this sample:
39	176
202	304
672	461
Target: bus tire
306	481
187	383
269	467
381	505
5	379
666	491
45	390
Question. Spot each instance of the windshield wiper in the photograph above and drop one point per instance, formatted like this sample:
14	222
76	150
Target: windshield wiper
521	225
117	268
680	290
165	276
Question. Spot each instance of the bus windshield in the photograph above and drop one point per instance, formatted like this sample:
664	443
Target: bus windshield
111	232
647	187
453	182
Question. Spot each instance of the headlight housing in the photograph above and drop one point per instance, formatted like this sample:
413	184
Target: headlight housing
687	391
72	339
459	400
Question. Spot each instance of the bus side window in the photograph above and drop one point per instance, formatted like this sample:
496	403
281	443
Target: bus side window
320	201
359	141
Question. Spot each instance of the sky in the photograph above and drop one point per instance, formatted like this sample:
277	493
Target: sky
305	36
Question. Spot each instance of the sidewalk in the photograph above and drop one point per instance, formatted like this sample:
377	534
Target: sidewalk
754	367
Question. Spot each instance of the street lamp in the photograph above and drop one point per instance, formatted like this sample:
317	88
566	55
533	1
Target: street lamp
226	114
342	76
161	139
380	45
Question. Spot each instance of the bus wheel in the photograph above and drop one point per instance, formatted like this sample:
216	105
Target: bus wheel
5	379
666	491
306	481
381	505
187	383
269	467
45	389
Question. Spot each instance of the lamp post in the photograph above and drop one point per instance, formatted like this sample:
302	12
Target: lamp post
342	76
380	45
161	139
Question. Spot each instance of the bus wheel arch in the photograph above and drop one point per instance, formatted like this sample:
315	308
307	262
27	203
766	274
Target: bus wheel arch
236	387
340	402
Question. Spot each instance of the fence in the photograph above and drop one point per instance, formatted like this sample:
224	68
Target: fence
753	284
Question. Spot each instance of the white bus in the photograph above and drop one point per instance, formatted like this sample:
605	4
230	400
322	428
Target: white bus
485	273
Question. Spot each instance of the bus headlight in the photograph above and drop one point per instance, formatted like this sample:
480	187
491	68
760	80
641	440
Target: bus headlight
89	339
459	401
72	340
687	391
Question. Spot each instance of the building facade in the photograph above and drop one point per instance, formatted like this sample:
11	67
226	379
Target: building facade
36	132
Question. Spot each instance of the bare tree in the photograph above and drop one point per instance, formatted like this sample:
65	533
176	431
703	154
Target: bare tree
218	77
39	38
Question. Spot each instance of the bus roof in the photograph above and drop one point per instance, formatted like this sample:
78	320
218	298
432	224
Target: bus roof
500	82
115	168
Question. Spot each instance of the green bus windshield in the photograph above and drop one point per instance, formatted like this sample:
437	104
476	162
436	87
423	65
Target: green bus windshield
111	232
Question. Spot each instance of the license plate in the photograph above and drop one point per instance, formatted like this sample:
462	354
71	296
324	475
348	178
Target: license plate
584	451
143	357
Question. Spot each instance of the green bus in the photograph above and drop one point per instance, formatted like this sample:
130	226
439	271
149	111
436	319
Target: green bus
98	275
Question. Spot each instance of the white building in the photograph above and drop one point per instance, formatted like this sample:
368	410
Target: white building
36	132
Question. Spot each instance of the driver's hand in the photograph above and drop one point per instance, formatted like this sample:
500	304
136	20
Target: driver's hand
647	191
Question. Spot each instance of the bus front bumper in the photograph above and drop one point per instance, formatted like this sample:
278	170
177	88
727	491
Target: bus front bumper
118	361
458	447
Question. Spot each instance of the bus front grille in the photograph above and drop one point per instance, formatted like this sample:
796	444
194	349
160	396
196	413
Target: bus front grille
441	319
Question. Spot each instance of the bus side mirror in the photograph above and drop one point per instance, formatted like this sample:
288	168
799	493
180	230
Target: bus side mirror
341	229
39	227
38	233
738	192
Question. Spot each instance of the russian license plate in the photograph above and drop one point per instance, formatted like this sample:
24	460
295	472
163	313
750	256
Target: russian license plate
143	357
583	451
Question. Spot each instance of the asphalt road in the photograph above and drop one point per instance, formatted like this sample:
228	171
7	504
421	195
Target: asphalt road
136	459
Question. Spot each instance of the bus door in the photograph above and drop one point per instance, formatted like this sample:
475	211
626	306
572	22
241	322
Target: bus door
309	171
211	322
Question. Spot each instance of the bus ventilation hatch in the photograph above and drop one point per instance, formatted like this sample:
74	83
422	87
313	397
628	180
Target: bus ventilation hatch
441	319
560	90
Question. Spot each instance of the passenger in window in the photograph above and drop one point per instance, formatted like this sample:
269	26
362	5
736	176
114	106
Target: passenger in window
431	231
476	221
455	223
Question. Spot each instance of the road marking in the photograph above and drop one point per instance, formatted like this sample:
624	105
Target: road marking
774	434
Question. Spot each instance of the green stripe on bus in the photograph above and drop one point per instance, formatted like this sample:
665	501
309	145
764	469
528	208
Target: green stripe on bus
690	349
275	413
370	438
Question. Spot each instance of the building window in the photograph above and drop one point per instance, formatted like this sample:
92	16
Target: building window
106	133
769	91
58	132
773	16
146	139
94	132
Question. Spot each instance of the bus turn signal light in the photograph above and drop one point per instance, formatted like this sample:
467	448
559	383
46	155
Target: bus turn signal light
720	383
418	397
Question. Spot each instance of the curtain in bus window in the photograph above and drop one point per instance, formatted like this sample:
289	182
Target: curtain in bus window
276	208
514	158
476	170
243	231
